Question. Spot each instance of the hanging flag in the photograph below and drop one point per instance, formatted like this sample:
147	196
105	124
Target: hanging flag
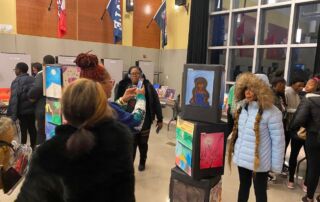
62	18
114	10
161	19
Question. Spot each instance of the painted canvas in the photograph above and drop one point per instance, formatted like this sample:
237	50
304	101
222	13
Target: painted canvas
53	111
53	82
170	93
183	158
199	88
211	150
70	74
50	130
184	137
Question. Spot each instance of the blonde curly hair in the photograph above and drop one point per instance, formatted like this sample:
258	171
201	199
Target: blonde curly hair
7	130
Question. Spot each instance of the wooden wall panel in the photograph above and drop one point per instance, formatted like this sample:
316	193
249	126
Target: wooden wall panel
33	18
91	28
143	37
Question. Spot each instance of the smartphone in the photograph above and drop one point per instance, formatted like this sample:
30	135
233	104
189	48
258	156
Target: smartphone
140	84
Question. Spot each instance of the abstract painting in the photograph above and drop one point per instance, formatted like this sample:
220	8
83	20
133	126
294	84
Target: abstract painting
184	138
50	130
53	82
53	111
183	158
211	150
70	74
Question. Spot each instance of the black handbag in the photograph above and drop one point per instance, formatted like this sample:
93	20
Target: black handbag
10	177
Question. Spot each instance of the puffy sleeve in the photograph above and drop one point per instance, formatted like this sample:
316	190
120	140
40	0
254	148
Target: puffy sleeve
275	126
300	118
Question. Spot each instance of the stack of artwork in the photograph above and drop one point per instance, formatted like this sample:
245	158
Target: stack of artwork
55	79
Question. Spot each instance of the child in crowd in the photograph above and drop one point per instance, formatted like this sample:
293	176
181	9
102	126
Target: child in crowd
7	133
257	143
292	99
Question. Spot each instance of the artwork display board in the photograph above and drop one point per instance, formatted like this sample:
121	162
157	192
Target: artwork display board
66	60
8	62
200	148
56	77
115	69
148	69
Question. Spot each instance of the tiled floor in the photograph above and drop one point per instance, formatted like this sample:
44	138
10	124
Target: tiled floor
152	185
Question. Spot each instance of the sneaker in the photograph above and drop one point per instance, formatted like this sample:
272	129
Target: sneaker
306	199
304	188
290	185
141	167
271	177
285	170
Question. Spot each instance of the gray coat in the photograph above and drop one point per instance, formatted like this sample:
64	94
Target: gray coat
36	94
19	103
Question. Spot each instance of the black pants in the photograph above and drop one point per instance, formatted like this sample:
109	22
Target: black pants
141	141
295	149
28	125
260	181
41	138
287	139
313	159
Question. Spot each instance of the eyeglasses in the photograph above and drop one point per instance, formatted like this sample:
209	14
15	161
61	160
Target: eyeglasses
135	74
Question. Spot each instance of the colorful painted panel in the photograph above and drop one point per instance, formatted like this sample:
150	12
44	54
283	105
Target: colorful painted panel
53	112
211	150
50	130
184	138
183	158
70	74
53	82
185	126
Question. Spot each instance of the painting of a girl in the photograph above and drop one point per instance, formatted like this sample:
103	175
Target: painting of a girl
200	95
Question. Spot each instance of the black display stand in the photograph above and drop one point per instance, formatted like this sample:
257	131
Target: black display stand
215	130
184	189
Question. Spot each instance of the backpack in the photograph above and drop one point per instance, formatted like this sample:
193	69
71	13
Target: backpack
18	167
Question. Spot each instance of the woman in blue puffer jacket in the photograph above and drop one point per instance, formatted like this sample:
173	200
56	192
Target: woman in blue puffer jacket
257	143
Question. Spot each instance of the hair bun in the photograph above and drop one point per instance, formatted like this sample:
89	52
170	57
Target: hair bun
86	61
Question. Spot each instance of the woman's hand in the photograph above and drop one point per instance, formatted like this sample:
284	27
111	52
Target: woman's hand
141	90
129	94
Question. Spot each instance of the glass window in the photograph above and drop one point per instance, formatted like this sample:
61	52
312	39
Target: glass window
245	28
244	3
217	56
241	61
307	23
271	61
275	26
273	1
302	62
219	30
219	5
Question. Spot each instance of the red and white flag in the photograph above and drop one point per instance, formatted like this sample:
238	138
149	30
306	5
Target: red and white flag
62	18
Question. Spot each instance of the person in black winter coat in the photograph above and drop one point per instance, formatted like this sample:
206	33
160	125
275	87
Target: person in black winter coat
36	95
308	116
20	107
89	159
153	108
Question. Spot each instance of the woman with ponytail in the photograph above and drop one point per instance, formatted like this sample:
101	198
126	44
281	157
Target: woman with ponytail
89	159
91	69
257	143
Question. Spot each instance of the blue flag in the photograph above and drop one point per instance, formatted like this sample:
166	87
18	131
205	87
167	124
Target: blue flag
161	20
114	10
